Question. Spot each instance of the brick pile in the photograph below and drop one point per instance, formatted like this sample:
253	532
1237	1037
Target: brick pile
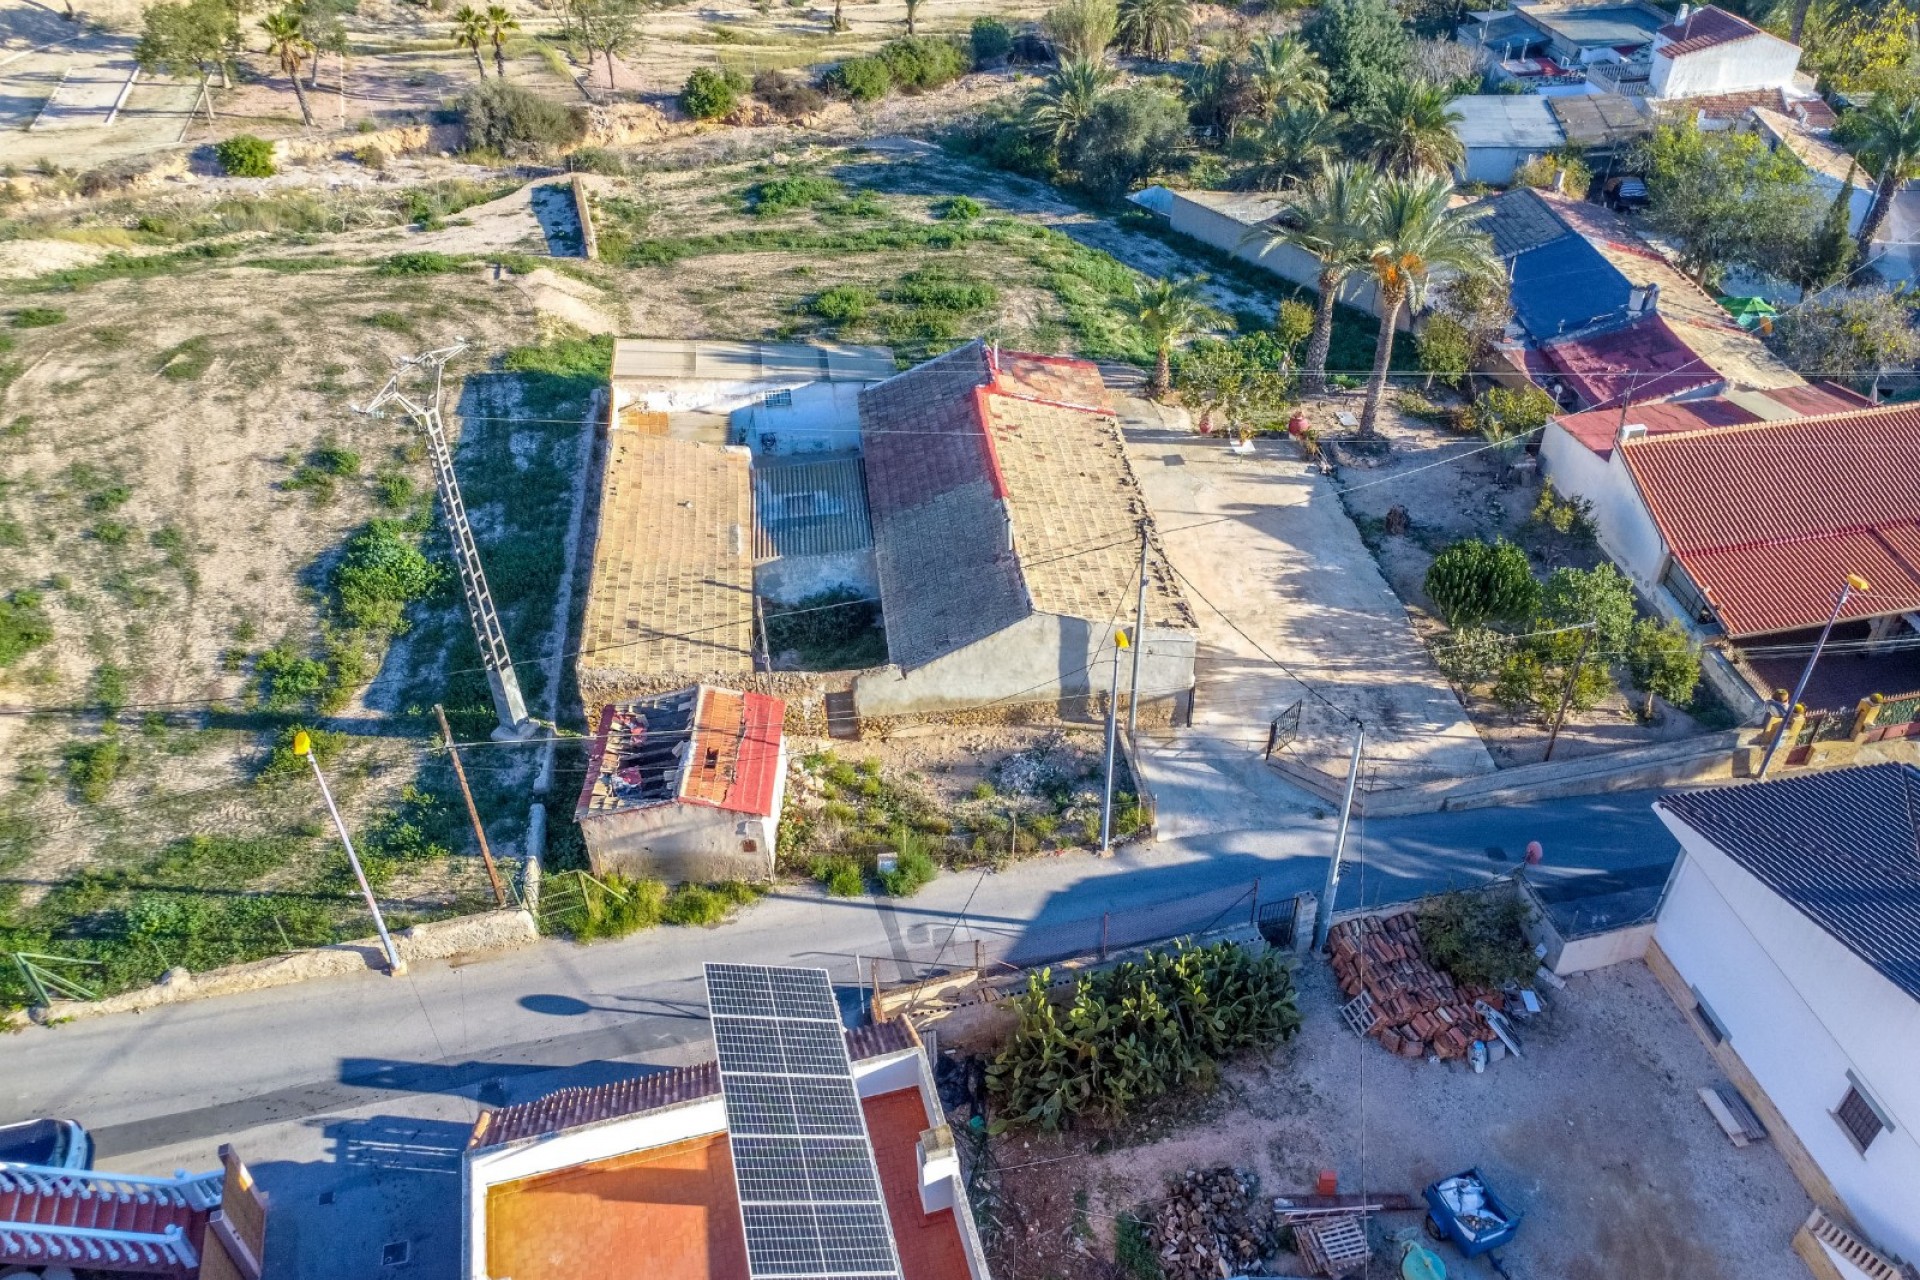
1418	1009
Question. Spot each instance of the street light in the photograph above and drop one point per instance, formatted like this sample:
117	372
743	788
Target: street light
1854	584
303	746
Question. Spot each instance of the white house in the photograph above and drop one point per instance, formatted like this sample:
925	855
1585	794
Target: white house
1709	51
1792	918
686	786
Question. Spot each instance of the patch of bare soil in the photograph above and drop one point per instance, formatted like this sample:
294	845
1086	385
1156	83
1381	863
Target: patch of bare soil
1434	487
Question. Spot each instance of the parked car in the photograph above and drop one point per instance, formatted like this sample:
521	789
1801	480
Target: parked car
53	1144
1626	194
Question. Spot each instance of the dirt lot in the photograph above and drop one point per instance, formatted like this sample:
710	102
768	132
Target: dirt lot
1452	487
1596	1136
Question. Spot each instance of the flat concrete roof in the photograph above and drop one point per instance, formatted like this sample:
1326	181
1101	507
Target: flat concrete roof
1523	121
1244	207
668	359
1598	27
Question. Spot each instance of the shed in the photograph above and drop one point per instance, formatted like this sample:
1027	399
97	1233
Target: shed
1502	132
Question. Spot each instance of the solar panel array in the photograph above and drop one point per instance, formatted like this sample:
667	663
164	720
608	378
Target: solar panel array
802	1161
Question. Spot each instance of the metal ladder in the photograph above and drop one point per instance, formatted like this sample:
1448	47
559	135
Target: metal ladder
508	703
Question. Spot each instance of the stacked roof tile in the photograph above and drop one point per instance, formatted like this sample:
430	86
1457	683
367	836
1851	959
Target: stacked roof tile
1416	1009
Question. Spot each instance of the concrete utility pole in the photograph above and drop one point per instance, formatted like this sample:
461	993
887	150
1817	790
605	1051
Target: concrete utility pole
1113	734
303	746
508	704
1854	585
1139	644
1324	920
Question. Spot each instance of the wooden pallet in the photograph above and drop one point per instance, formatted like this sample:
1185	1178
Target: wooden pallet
1731	1112
1333	1246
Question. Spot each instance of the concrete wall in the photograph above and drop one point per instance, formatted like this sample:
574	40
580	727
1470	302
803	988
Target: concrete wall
1758	62
681	841
1209	226
1627	532
823	416
1801	1011
1042	659
1494	166
792	579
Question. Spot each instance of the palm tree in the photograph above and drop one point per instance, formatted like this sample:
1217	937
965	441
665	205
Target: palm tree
1889	137
1296	141
288	43
1331	220
1284	72
1060	106
470	32
1410	130
1414	233
499	24
1168	310
1154	27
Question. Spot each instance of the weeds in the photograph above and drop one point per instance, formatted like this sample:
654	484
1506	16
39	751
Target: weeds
187	362
37	317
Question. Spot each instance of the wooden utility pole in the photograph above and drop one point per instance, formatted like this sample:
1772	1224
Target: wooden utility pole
479	832
1566	695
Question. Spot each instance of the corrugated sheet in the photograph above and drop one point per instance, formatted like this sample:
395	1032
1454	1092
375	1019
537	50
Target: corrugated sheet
567	1109
1842	847
1770	518
810	507
668	359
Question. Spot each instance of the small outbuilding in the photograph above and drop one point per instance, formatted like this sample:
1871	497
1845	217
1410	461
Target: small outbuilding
1502	132
686	786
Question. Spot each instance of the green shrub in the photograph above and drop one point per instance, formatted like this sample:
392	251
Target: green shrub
24	626
37	317
1664	661
1502	413
1479	938
960	209
93	767
599	160
282	763
1129	135
1471	656
611	906
711	93
702	904
840	875
418	263
919	63
913	870
506	118
861	79
844	303
796	191
990	40
382	572
1473	582
1601	595
1138	1030
245	156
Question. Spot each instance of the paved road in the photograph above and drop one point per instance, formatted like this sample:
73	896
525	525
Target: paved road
351	1098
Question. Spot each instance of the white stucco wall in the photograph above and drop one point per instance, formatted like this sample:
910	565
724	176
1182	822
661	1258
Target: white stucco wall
1041	658
823	416
682	841
1495	166
1209	226
1627	533
1758	62
1802	1011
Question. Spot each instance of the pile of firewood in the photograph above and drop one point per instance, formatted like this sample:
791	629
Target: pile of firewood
1212	1224
1417	1009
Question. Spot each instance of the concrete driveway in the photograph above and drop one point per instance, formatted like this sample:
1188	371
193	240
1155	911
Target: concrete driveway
1296	623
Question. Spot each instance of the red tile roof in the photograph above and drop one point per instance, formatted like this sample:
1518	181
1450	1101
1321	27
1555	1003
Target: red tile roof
928	1243
1704	28
1819	397
736	751
577	1108
1642	360
1599	428
1769	518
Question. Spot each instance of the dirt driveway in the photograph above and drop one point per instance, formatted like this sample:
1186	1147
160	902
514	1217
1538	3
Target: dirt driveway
1293	613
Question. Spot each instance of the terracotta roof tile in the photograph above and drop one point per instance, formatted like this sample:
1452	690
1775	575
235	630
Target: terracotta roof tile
1705	28
1769	518
1598	429
1643	359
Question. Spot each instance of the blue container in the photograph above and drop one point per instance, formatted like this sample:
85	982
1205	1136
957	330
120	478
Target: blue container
1472	1238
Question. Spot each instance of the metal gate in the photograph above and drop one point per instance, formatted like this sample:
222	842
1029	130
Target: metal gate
1275	921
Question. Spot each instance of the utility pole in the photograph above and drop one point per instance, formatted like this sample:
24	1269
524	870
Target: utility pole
303	746
1566	694
508	704
1324	918
1855	584
1139	645
466	792
1113	734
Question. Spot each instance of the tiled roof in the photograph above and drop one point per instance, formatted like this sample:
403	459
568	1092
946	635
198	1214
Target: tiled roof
1769	518
1819	397
1707	27
1519	220
1821	155
1720	106
1598	429
671	591
736	751
996	492
1643	359
577	1108
1843	847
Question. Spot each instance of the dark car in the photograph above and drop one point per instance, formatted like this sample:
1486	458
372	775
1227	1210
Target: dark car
1626	193
52	1144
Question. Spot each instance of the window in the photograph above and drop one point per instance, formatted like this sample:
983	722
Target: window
777	400
1715	1028
1860	1117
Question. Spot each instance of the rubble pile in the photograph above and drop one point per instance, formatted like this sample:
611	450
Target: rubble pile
1416	1009
1212	1224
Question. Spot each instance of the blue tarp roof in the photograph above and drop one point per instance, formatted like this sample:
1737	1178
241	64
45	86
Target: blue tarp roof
1565	285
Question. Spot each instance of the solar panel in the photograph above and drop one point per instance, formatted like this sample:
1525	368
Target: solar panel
810	1197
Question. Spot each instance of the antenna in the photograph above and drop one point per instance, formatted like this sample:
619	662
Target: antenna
508	704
